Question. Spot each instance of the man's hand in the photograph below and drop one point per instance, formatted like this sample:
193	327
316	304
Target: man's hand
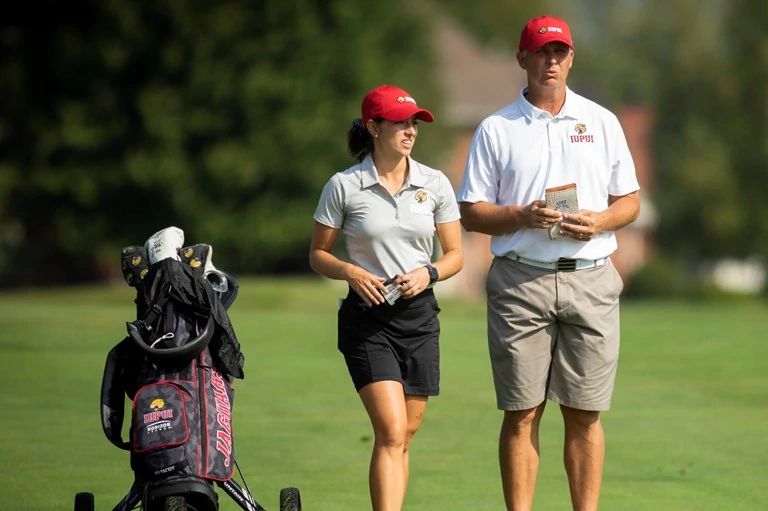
582	227
537	216
622	210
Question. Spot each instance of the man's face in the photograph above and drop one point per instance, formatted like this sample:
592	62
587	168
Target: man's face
548	66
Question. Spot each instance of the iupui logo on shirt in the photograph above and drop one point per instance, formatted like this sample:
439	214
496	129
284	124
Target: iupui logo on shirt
581	136
421	196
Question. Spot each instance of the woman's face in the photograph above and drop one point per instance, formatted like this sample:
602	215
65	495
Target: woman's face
395	138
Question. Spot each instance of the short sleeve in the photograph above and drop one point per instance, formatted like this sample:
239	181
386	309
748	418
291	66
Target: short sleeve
330	207
447	209
481	175
623	176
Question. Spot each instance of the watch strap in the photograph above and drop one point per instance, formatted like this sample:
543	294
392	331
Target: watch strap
433	275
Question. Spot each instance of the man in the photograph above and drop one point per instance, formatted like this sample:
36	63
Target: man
553	300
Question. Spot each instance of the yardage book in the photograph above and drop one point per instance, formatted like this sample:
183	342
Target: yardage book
563	199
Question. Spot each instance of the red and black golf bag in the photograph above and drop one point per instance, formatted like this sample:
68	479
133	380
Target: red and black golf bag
176	366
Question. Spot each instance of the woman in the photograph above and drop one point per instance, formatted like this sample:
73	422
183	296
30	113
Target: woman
389	207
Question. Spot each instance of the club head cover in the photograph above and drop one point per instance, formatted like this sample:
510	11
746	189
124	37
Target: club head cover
134	264
199	257
164	244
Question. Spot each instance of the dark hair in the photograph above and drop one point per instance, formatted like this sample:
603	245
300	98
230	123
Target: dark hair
359	140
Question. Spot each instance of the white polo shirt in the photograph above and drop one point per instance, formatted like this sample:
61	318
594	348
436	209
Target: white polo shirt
521	150
387	235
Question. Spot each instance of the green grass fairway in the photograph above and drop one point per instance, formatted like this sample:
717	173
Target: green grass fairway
688	430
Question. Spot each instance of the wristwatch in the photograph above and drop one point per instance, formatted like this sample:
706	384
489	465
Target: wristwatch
433	275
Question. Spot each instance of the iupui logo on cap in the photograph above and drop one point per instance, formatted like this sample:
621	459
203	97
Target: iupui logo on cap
581	129
403	99
543	30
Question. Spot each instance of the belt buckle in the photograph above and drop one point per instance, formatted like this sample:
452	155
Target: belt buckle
564	264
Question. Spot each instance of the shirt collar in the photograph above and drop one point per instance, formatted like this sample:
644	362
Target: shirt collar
568	111
369	176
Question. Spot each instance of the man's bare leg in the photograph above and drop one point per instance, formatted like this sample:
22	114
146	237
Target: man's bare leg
519	456
584	453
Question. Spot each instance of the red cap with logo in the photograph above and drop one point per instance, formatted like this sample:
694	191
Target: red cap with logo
393	104
542	30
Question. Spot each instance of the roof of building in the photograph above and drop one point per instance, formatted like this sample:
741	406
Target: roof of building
476	81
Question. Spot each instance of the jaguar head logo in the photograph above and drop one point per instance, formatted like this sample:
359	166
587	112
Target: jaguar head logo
581	128
421	196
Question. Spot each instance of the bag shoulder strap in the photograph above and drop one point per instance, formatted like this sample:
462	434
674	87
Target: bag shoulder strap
113	392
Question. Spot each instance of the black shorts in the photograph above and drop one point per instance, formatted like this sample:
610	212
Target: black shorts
397	342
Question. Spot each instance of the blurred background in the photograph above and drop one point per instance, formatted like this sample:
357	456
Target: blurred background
226	118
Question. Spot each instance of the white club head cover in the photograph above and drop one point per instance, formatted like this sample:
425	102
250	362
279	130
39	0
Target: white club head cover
164	244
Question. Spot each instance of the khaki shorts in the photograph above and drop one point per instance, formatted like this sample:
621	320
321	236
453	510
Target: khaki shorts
553	335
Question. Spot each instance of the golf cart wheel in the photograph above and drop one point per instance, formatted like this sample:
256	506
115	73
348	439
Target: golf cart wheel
175	503
290	500
84	501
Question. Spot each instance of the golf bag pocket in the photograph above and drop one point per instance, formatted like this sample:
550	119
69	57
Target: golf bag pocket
159	417
161	464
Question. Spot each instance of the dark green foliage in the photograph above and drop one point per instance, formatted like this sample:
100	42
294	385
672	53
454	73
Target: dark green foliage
223	118
711	139
662	276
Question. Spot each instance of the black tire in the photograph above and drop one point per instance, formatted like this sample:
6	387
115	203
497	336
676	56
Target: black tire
84	501
175	503
290	499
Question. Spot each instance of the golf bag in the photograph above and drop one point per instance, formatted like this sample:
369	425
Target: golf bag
176	366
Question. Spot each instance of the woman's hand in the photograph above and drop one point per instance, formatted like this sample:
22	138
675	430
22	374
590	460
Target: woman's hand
413	282
368	286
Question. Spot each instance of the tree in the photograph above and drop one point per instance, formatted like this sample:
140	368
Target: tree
223	118
747	113
710	58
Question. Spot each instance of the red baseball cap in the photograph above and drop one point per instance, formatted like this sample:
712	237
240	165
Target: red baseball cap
542	30
393	104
